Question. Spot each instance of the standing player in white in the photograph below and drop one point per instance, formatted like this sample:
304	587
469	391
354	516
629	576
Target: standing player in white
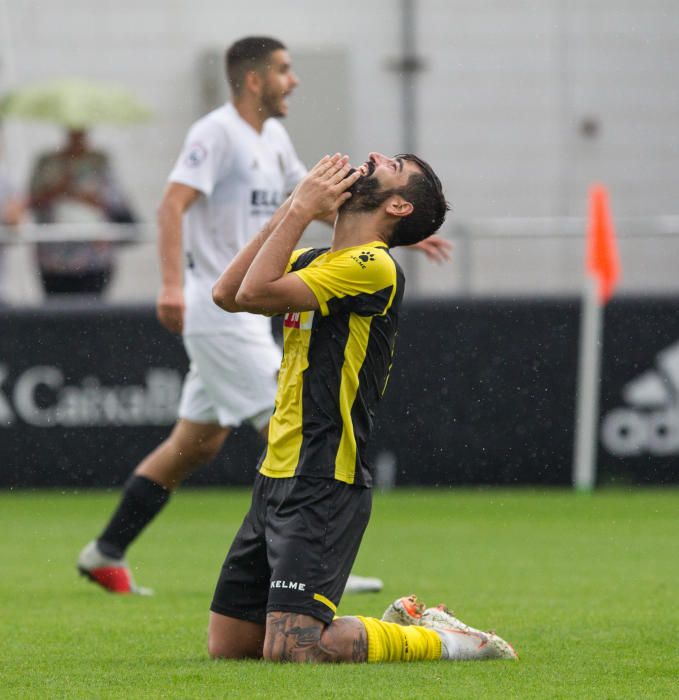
236	167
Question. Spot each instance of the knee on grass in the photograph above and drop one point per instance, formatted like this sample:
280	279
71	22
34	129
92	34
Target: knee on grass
220	648
217	649
231	638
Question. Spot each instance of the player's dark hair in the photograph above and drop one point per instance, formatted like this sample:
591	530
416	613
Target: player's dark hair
425	193
250	53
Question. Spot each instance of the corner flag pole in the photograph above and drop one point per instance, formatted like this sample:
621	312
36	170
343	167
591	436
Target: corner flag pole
603	268
589	369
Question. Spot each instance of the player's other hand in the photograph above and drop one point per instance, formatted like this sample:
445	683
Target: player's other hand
324	189
170	308
436	249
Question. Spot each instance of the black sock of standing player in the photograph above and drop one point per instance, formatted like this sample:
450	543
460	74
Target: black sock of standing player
141	501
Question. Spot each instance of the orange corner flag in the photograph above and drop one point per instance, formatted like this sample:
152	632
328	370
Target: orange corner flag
602	250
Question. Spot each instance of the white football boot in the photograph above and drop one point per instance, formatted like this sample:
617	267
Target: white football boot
460	642
405	611
113	575
363	584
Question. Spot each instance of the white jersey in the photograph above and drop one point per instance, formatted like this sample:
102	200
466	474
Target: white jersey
244	176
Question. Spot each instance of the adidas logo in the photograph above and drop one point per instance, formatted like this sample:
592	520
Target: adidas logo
649	424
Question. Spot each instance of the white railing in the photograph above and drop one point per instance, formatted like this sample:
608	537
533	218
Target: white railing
491	256
57	233
481	227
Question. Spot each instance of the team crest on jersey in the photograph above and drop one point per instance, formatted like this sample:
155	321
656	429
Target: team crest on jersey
195	155
363	258
303	320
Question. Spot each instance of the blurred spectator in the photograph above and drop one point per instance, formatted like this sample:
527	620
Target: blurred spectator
11	212
75	185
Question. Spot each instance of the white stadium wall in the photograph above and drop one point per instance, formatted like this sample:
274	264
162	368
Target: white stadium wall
520	106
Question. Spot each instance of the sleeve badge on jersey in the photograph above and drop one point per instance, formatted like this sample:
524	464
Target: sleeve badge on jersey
196	155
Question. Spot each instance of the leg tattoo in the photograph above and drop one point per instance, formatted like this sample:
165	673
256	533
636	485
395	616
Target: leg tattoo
303	639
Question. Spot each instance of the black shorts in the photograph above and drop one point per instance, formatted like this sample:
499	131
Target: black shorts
294	550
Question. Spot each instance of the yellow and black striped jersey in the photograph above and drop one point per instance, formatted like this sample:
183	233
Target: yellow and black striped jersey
336	364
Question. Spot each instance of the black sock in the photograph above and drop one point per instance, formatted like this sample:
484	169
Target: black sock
141	501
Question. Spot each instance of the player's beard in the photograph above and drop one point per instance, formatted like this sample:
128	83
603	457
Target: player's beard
272	103
365	193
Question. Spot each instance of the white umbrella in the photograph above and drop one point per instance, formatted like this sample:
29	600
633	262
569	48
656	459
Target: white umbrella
74	103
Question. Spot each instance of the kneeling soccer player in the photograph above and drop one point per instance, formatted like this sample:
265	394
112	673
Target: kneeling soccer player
283	577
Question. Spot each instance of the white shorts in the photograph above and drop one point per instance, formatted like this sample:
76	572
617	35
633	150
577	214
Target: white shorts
230	381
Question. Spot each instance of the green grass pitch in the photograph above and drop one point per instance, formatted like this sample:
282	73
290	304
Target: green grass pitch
585	587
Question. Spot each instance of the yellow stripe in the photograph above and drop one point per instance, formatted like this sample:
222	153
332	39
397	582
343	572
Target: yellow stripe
393	342
285	429
354	356
394	281
322	599
296	254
